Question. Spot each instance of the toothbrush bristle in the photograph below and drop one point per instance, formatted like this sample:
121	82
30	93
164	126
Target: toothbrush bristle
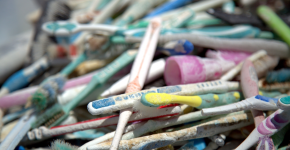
285	100
61	145
53	119
39	100
46	116
47	92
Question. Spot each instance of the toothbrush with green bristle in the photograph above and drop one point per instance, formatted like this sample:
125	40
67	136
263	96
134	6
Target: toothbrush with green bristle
47	91
57	113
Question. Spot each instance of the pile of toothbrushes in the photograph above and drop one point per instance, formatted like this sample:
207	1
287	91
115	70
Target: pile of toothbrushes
150	75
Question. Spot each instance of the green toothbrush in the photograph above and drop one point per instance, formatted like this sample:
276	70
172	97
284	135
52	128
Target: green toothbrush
275	22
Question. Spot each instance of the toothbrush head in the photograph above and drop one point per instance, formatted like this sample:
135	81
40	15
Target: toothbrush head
179	47
61	145
61	28
184	47
267	99
47	92
284	103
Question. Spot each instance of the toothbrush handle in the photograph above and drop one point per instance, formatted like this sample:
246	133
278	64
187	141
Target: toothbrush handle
21	78
250	103
193	101
102	27
243	105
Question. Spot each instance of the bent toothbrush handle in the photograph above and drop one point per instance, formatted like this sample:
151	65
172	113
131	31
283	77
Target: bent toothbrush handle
249	84
268	127
250	141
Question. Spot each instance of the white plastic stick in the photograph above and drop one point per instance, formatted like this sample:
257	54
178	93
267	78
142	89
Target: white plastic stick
138	74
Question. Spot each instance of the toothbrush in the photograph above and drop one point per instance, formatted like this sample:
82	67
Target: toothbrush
119	102
282	75
195	7
65	28
272	47
58	144
94	8
43	132
138	74
199	102
256	102
263	85
238	31
202	19
180	47
22	77
136	10
103	15
268	127
249	84
234	19
203	130
68	95
18	132
179	19
57	113
170	5
153	125
20	97
12	116
275	22
47	91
